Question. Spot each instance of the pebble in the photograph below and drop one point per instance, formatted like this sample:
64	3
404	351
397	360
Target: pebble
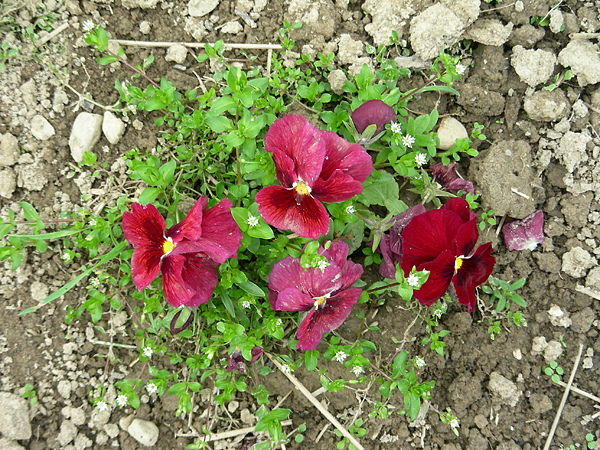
145	27
32	176
41	128
553	351
39	291
111	429
64	389
577	261
67	434
14	412
8	182
84	134
9	150
113	127
176	53
233	27
143	431
6	444
200	8
505	390
449	131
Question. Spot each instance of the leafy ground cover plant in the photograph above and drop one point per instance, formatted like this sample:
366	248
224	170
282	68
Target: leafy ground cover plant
251	215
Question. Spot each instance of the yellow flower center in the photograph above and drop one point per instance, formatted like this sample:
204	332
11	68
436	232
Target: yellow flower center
168	246
319	301
302	188
458	264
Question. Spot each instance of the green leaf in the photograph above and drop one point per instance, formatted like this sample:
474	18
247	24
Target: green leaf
167	170
218	124
104	60
29	211
252	289
148	195
239	190
310	360
400	364
48	236
223	104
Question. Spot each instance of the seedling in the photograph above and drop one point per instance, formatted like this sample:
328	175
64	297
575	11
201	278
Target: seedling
554	371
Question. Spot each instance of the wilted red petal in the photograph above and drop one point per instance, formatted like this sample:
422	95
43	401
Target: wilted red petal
325	319
460	184
301	142
524	234
201	274
459	206
349	271
466	238
286	210
473	272
427	235
292	299
256	353
342	155
144	226
338	188
441	271
373	112
387	269
177	292
191	226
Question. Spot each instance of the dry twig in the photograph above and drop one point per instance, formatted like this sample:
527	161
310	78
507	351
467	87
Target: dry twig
195	44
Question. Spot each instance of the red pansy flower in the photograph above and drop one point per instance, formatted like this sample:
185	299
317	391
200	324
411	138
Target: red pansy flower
312	166
325	294
372	112
188	254
524	234
448	177
442	241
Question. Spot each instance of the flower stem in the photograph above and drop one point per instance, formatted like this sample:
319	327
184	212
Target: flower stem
383	287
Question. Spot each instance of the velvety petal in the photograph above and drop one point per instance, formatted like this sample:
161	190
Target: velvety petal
352	159
349	271
292	299
460	207
285	168
373	112
286	210
474	271
458	184
256	353
466	238
427	235
176	290
524	234
191	226
399	222
145	265
338	188
325	319
144	226
387	269
221	235
301	142
444	174
201	275
441	271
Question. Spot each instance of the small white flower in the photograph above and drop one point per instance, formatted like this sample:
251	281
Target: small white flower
460	69
350	209
253	221
88	26
66	257
286	369
122	400
102	406
408	141
396	128
93	222
246	304
340	356
420	159
419	362
413	280
322	264
151	388
357	370
279	322
454	423
147	352
95	282
437	313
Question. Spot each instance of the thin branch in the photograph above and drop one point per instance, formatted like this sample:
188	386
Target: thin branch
578	391
194	44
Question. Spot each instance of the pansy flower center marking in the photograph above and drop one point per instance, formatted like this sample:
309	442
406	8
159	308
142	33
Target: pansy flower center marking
301	187
168	246
319	301
458	263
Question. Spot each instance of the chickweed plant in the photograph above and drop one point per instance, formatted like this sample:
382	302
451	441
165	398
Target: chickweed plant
250	215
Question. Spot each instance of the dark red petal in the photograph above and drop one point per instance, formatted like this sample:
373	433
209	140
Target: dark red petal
441	271
301	142
338	188
473	272
292	299
145	264
144	226
466	238
256	353
427	235
221	235
460	207
176	290
285	168
201	274
373	112
352	159
387	269
349	271
191	226
326	319
286	210
458	184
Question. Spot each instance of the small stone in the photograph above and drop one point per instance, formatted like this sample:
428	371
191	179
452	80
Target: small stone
553	351
145	27
349	50
505	390
77	416
39	291
9	150
112	127
143	431
577	261
64	389
583	57
233	406
200	8
557	20
176	53
112	430
449	131
125	422
14	412
41	128
8	182
82	442
84	134
489	32
538	345
533	66
232	27
540	403
67	434
425	38
547	106
572	149
247	417
138	124
583	320
32	176
517	354
336	79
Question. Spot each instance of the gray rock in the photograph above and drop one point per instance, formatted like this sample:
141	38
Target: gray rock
67	434
572	149
82	442
425	37
15	417
195	27
505	390
144	4
480	101
387	16
9	150
547	106
8	182
112	430
336	79
64	389
547	262
577	261
349	50
32	176
146	433
200	8
557	20
533	66
583	57
540	403
583	320
593	279
319	17
553	351
77	415
41	128
449	131
411	62
176	53
84	134
232	27
113	127
489	32
59	101
6	444
503	174
145	27
39	291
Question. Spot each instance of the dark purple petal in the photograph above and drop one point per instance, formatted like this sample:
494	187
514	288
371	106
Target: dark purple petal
327	318
460	184
524	234
338	188
287	210
351	159
191	226
387	269
460	207
444	174
200	274
441	271
293	299
473	272
177	292
373	112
